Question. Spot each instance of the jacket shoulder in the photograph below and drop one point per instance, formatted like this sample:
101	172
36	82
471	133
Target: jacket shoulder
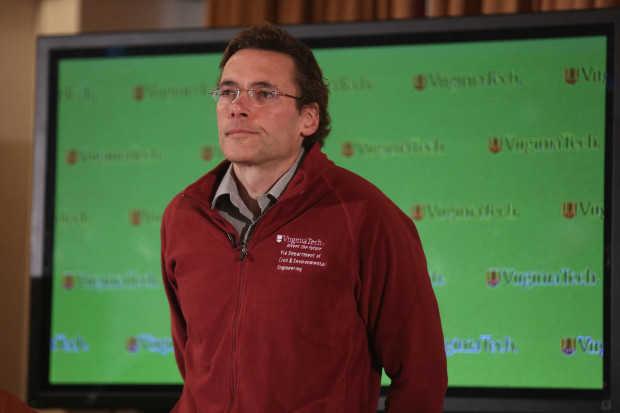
366	207
352	187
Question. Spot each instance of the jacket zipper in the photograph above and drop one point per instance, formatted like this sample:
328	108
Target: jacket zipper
242	247
234	327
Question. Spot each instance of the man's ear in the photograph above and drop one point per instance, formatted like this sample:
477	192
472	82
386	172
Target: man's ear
310	117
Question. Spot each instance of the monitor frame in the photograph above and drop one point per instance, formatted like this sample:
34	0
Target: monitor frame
150	397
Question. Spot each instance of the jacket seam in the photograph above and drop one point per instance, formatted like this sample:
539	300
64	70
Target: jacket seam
344	209
351	238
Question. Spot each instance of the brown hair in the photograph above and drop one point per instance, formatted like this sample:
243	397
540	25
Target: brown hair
308	76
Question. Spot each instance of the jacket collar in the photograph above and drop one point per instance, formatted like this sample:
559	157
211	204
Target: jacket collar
313	165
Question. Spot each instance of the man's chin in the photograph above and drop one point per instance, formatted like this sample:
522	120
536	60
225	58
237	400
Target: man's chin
236	150
239	157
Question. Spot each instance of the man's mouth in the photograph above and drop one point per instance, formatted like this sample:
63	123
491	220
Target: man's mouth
239	131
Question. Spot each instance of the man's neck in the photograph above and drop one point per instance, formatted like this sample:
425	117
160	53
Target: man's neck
254	181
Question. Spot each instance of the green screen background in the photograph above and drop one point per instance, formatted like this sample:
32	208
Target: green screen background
495	149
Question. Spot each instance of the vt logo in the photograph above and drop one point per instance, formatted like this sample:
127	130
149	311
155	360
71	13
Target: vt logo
493	278
569	209
206	153
71	156
346	149
495	144
571	75
132	344
417	212
68	281
138	92
135	217
419	82
568	346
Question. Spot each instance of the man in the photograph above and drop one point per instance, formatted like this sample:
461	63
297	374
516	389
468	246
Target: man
293	282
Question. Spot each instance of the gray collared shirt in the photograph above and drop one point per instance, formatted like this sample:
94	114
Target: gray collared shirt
232	208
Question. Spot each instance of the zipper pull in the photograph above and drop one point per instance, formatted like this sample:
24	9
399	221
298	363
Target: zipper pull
238	246
244	252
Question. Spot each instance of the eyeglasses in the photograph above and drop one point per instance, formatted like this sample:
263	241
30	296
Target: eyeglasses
229	95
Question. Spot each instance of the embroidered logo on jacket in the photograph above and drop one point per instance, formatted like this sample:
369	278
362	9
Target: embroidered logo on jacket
297	253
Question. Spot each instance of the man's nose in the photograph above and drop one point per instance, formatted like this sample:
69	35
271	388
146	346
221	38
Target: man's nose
241	105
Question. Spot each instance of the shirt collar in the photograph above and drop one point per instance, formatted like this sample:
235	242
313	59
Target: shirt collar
228	186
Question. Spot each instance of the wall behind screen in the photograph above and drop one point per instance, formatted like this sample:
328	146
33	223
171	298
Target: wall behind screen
17	22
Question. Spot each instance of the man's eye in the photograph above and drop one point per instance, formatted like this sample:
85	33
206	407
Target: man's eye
264	94
227	92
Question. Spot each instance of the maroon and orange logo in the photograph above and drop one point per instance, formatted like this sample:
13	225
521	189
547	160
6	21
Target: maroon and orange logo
138	92
571	75
68	281
569	209
135	217
347	149
71	156
131	344
568	346
495	144
493	278
417	212
419	82
206	153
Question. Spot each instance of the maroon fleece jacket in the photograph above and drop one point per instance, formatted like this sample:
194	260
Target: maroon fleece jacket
333	286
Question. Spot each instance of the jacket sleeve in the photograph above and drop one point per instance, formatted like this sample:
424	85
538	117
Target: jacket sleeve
399	307
177	321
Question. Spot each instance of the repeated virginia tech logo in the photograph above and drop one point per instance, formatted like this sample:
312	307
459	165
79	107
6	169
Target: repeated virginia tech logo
419	82
493	278
347	149
378	149
129	280
417	212
138	92
80	94
569	210
68	281
112	156
452	213
206	153
131	344
437	279
565	142
72	219
489	78
349	84
61	343
586	209
565	277
142	92
135	217
139	217
485	343
71	157
581	345
149	343
495	144
573	75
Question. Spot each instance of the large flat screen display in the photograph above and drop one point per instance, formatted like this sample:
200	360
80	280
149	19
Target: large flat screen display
497	142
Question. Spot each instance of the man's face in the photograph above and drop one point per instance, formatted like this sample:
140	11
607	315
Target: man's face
267	136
